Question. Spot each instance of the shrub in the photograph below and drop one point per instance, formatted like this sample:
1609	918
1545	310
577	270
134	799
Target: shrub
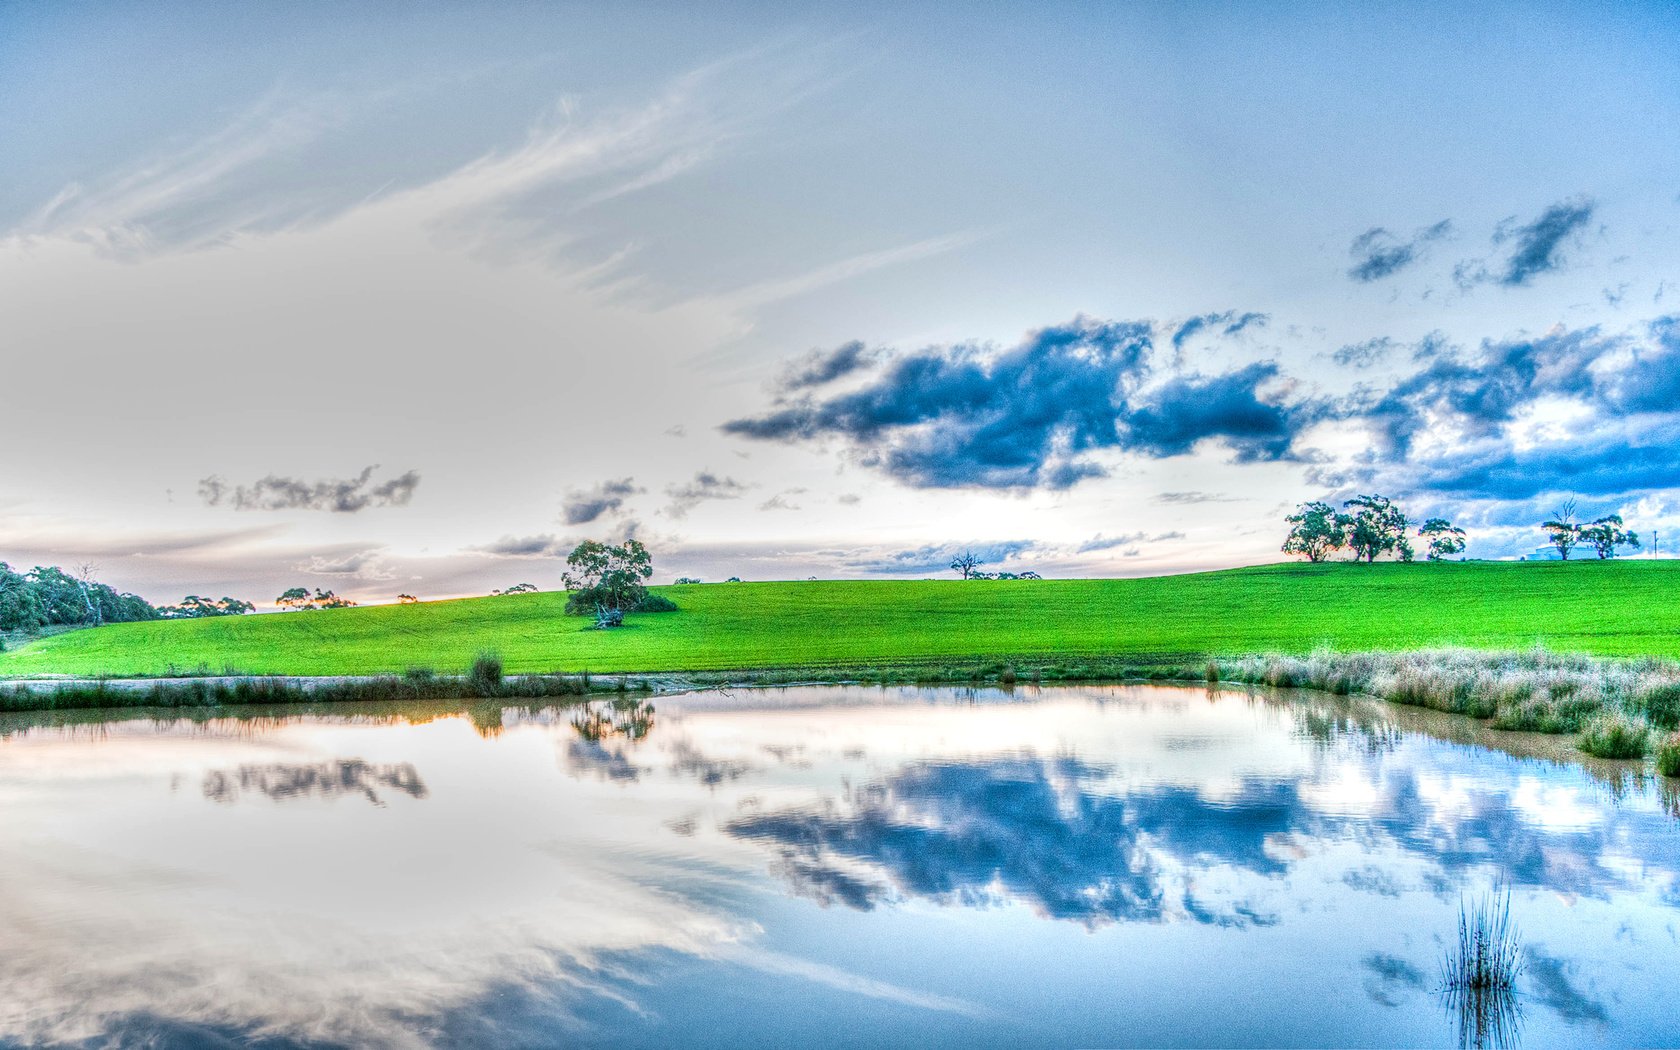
1668	756
1614	736
655	603
485	676
1661	704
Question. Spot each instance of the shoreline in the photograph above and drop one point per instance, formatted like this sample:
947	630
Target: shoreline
1611	709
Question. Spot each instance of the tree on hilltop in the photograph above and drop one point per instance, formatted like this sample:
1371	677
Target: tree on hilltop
1606	534
1377	527
1441	538
1562	531
1317	531
609	581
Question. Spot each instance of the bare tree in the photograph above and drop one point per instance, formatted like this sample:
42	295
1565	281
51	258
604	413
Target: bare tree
1562	530
966	564
84	576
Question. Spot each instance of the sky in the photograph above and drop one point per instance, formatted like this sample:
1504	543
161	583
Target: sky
411	298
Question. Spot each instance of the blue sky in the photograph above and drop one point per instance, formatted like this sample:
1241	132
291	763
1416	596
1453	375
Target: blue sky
784	291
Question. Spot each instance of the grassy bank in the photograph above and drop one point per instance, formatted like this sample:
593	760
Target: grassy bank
1620	707
1619	608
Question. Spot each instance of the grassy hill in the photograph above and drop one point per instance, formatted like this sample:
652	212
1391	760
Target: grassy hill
1609	608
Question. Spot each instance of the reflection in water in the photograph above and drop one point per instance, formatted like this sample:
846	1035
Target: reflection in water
1487	1018
1039	831
325	780
631	719
910	866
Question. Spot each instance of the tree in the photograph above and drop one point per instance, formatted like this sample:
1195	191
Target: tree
607	580
1441	538
1606	534
1562	531
518	588
193	607
1316	531
329	600
1377	528
966	565
406	599
295	598
680	580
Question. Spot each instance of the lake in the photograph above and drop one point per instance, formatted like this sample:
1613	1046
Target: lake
1068	866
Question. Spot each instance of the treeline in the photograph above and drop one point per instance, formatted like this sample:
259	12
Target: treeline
1370	527
47	596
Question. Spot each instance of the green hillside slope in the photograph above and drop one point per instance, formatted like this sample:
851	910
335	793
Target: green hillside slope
1611	608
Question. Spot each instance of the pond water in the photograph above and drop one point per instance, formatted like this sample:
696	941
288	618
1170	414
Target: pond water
1078	866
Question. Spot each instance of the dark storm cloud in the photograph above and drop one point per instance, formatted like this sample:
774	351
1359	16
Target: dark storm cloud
1377	253
1191	409
1538	243
340	495
582	506
819	367
705	486
957	416
1228	323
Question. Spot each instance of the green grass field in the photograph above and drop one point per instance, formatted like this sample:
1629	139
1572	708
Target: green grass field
1609	608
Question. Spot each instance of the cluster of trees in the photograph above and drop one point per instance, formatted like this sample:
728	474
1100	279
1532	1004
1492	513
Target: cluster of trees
1370	527
518	588
1603	535
47	596
193	607
967	566
298	599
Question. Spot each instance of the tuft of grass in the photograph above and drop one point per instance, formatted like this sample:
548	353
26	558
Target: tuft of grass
1661	704
1615	735
484	678
1488	956
1668	756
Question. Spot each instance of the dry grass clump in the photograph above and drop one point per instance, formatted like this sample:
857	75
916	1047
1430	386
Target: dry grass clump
1533	690
1668	756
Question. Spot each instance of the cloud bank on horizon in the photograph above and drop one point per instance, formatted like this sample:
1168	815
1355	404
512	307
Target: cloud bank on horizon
767	295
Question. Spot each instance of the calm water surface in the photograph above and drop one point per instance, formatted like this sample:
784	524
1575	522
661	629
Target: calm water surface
826	866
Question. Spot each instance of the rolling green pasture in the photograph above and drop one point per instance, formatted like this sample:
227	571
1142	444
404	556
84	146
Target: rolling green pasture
1610	608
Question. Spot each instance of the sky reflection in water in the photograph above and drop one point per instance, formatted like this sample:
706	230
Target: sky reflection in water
834	866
